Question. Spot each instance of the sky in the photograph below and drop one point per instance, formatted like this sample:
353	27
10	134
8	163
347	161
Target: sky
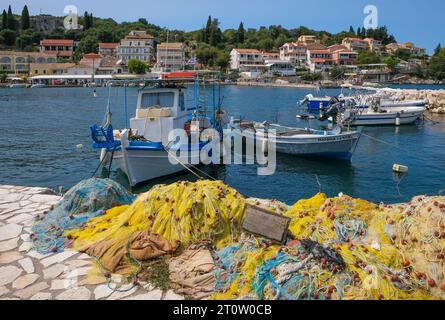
421	22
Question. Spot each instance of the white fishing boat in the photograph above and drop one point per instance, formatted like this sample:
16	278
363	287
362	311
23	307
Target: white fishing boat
381	116
143	151
304	142
38	85
17	85
372	110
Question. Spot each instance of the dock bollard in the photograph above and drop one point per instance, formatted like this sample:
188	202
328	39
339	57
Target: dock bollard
399	168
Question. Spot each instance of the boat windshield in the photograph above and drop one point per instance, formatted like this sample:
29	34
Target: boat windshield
158	99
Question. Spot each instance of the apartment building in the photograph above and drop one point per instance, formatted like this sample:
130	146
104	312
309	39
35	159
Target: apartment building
294	52
308	40
355	44
61	48
108	49
170	56
15	62
245	57
319	60
408	47
137	45
341	56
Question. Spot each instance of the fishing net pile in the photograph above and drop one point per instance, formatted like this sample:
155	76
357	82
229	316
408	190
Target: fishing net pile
88	199
344	248
181	212
337	248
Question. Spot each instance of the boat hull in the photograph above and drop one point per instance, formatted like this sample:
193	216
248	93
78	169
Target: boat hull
144	165
386	118
339	147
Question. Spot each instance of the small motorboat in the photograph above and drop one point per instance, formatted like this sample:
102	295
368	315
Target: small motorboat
373	113
315	103
38	85
18	85
304	142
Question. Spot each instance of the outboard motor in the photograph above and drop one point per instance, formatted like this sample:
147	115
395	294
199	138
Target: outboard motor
331	111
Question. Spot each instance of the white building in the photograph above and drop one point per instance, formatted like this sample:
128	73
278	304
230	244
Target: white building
137	45
170	56
240	58
294	52
280	68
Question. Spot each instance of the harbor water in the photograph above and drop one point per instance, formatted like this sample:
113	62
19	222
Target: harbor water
46	142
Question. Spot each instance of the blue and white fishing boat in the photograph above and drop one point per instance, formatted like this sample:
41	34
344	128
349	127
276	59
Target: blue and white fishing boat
303	142
143	150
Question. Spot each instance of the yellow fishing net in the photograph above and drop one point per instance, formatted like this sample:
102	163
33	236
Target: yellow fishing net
183	211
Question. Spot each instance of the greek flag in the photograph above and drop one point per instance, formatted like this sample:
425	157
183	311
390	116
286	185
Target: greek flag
192	61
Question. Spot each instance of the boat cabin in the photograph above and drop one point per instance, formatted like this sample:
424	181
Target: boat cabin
160	110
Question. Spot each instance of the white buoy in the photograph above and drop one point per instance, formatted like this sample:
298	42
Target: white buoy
399	168
79	146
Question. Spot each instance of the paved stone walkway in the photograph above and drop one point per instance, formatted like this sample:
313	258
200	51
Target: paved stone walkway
26	274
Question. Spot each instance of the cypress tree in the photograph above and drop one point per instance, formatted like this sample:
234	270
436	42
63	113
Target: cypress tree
25	18
241	33
208	30
91	20
437	50
4	20
86	18
351	30
11	19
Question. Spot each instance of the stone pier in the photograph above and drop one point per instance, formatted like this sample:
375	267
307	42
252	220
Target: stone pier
27	274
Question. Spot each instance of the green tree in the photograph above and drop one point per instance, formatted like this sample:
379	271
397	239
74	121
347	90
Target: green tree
25	18
241	33
436	68
337	73
87	20
391	63
88	44
4	20
437	50
222	60
137	67
368	57
3	76
8	37
12	23
351	30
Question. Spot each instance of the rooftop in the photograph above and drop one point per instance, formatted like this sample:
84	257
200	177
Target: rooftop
170	45
254	51
57	42
108	45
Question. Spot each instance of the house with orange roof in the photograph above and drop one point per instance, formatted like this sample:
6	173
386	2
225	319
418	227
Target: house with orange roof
294	52
240	58
341	56
355	44
319	60
375	45
60	47
108	49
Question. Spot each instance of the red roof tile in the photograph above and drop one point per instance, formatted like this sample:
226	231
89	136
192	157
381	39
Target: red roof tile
56	42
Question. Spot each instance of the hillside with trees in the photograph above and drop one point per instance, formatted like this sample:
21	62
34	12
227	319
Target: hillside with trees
210	44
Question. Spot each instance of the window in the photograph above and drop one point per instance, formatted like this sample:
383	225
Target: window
163	99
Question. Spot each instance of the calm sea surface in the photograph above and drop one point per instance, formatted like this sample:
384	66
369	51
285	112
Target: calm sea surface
42	127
